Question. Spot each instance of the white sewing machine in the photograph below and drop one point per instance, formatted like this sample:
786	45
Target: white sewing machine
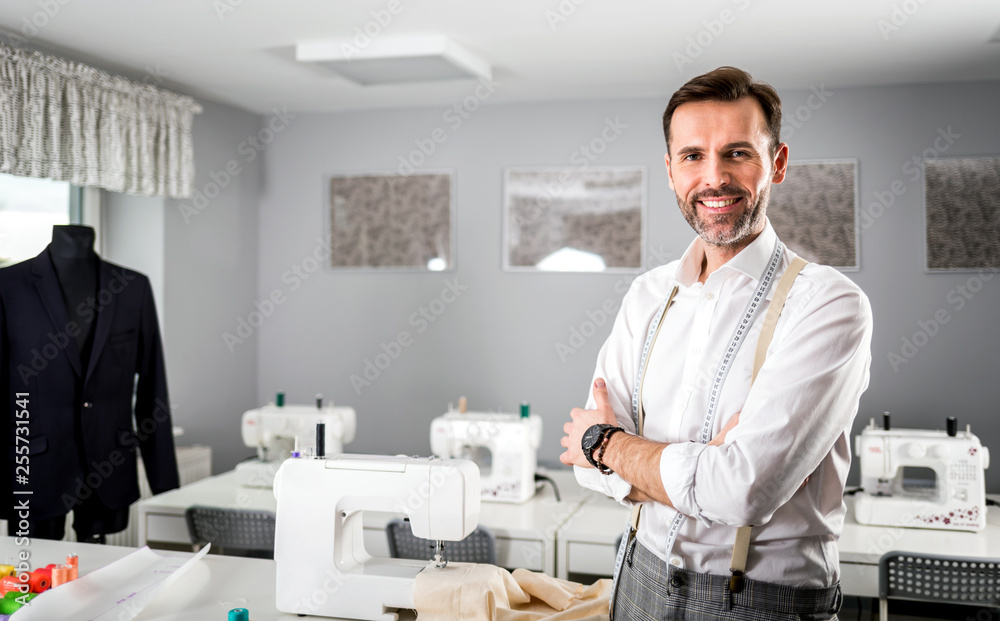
322	566
504	446
277	432
951	494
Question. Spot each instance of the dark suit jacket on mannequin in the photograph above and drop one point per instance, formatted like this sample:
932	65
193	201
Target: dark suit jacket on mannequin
83	432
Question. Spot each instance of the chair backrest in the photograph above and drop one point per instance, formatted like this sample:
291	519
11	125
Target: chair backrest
955	579
240	529
479	547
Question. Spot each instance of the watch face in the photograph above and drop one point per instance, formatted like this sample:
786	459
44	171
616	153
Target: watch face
590	436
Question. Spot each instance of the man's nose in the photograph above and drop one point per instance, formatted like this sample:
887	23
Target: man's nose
716	173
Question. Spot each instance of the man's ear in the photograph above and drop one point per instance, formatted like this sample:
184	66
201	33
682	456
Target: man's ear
670	177
780	163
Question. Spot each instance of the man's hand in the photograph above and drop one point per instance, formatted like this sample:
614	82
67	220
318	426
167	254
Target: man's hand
582	421
720	439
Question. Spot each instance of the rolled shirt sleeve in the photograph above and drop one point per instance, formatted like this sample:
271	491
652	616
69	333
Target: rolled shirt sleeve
805	397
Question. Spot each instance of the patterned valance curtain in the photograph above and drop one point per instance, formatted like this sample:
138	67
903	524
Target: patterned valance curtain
71	122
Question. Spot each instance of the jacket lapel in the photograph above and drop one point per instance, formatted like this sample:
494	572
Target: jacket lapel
102	327
50	292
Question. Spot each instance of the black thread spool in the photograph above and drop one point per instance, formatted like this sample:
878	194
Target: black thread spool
320	440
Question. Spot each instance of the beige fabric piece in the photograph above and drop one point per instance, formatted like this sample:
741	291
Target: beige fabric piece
475	592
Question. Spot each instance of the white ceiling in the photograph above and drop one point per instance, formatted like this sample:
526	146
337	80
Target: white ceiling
241	52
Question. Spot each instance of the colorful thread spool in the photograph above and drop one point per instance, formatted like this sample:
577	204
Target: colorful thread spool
39	580
60	575
8	570
73	563
10	583
239	614
10	605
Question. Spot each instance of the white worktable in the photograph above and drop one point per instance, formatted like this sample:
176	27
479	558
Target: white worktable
206	592
525	533
586	544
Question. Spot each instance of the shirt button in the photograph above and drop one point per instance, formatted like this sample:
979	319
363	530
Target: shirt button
696	350
87	405
709	296
676	562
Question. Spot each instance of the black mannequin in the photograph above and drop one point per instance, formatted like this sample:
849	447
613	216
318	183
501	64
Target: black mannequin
73	256
79	341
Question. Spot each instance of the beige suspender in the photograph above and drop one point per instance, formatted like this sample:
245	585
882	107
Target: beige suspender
738	564
742	544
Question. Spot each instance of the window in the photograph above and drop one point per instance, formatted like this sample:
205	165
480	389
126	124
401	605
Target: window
29	208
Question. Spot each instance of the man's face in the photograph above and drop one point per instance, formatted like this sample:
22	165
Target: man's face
720	167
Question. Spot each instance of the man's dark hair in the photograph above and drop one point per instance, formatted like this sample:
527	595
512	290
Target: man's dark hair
728	84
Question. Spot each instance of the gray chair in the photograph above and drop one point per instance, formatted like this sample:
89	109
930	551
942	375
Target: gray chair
936	578
479	547
235	532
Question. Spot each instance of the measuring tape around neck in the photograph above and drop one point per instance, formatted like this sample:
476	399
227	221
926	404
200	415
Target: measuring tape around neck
738	338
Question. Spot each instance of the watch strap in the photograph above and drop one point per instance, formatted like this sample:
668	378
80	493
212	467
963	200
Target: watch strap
599	451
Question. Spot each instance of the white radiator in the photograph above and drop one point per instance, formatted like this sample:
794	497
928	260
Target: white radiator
194	463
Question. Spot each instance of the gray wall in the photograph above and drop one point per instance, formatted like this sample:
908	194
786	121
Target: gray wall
496	343
133	236
210	270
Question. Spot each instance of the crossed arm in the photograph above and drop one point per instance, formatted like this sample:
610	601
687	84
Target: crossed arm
633	458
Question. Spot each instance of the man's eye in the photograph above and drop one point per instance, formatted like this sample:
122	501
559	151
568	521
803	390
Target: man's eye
740	154
690	157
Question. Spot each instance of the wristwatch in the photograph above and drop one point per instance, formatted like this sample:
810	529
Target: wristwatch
592	439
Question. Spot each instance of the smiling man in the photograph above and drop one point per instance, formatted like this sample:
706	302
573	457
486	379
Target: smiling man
733	457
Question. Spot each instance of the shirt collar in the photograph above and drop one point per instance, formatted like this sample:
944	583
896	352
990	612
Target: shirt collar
751	260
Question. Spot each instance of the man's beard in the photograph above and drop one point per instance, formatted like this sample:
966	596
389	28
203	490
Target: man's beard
749	221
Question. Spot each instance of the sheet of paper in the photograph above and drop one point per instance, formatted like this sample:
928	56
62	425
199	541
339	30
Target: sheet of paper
116	592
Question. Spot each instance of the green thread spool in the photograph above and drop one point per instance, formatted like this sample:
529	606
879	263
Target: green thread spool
279	401
525	410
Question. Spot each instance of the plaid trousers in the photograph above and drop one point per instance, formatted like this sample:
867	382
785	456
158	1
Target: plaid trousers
649	589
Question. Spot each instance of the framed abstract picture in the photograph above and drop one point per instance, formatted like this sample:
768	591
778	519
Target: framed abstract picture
572	220
815	212
391	221
962	220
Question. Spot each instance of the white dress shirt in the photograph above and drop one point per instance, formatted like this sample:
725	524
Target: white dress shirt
795	421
